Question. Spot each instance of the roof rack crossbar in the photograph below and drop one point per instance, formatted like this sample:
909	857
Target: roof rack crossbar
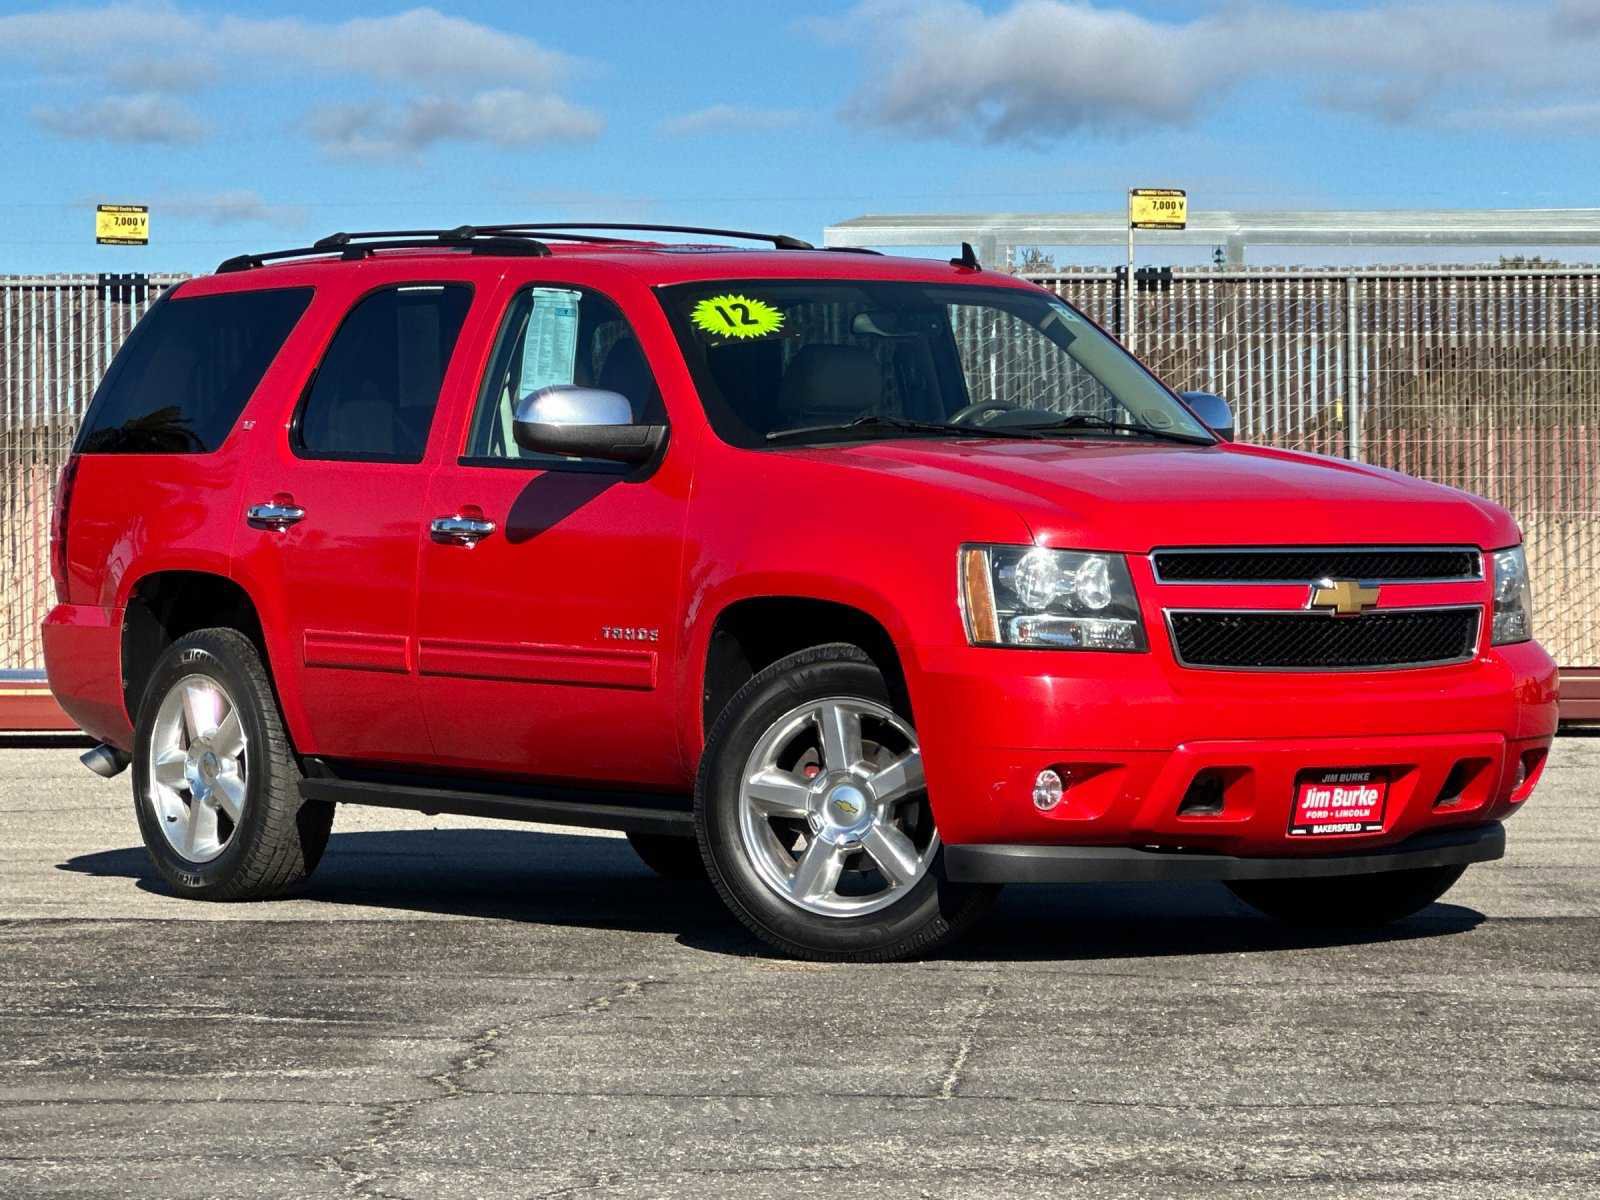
492	239
352	246
781	241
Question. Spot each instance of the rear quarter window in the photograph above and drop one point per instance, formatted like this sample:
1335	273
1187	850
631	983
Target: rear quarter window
187	371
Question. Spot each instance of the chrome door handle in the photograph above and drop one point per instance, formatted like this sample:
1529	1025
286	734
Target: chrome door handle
274	515
459	530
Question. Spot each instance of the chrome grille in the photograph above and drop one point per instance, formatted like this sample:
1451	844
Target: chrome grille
1317	641
1414	564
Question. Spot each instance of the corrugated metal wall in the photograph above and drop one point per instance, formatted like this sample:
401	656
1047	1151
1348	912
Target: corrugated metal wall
1486	380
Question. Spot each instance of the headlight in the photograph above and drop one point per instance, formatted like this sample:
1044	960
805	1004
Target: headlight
1050	599
1513	597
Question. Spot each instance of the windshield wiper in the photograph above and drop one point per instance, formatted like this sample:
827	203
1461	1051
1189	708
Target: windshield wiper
874	422
1083	420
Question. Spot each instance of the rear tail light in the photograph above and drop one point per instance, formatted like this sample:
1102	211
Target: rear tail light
58	528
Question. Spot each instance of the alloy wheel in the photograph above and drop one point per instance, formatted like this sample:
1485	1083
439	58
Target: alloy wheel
197	768
833	809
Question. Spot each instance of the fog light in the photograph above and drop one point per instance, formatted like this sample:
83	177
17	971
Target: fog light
1047	790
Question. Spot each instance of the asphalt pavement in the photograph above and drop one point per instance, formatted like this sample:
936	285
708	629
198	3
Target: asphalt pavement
460	1008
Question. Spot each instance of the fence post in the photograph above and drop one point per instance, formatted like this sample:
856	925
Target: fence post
1352	386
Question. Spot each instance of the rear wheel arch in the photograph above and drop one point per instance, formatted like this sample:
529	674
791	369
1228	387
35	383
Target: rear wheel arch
751	634
163	606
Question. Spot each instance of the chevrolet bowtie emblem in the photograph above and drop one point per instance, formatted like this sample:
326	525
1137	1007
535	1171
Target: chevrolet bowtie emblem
1345	597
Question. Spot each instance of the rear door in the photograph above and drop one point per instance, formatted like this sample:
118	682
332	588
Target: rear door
548	645
333	519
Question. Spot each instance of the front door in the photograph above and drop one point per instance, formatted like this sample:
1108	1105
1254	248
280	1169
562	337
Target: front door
549	639
335	519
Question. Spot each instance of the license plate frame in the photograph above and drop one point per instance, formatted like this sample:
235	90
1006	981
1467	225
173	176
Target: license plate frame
1339	802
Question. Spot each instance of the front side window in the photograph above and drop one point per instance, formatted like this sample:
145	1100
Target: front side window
554	337
188	369
374	394
784	362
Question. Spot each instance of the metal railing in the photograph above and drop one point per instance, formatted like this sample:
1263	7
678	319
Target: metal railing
1488	380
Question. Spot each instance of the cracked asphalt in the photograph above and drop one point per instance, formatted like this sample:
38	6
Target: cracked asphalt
458	1008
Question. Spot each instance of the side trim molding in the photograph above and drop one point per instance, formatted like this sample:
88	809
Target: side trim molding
633	670
357	651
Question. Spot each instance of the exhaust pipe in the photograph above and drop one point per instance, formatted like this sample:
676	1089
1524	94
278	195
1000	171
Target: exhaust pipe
105	760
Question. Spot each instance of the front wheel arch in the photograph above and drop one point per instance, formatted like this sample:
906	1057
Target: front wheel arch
751	634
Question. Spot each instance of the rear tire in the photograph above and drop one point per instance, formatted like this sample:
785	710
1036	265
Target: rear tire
813	818
215	781
670	857
1350	901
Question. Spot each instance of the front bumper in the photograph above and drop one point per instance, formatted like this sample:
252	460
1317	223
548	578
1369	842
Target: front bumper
1128	864
1461	746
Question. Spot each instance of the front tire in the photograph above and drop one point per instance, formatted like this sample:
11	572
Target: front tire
1348	901
813	818
215	782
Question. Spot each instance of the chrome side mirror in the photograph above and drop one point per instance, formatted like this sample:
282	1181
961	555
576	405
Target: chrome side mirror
1213	412
580	422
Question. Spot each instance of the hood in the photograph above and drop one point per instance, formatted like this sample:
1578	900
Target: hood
1137	496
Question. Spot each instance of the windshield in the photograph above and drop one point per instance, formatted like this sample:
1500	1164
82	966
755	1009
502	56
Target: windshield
780	363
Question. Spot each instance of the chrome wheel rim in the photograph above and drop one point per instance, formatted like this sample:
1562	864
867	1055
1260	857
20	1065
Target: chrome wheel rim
196	768
833	810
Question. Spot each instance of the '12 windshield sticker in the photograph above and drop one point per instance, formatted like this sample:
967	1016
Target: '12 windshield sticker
736	317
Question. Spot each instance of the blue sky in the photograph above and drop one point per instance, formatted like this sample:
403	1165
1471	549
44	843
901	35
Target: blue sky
248	126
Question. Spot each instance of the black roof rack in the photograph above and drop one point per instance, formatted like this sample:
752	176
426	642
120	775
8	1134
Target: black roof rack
558	231
352	246
524	239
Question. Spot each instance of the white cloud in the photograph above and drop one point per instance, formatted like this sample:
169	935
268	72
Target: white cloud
419	46
236	207
144	117
731	118
502	117
138	51
1042	70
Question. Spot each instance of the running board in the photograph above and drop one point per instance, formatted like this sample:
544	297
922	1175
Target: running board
530	802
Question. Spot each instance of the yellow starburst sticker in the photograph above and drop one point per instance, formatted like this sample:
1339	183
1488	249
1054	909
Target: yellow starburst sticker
736	317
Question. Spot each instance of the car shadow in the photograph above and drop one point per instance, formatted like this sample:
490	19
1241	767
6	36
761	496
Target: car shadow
584	881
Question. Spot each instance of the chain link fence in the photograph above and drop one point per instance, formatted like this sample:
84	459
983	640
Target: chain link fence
1487	380
57	334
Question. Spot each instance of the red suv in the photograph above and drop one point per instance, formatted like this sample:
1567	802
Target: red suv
860	584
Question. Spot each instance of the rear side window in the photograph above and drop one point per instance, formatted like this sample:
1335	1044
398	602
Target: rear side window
187	371
374	394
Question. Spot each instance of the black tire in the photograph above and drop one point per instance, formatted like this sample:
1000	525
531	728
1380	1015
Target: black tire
670	857
1347	901
932	912
280	837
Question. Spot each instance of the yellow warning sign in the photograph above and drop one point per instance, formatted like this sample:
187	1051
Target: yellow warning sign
1158	208
122	224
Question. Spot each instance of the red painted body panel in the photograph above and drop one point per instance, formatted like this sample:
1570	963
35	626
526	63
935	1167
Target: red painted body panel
388	646
83	647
